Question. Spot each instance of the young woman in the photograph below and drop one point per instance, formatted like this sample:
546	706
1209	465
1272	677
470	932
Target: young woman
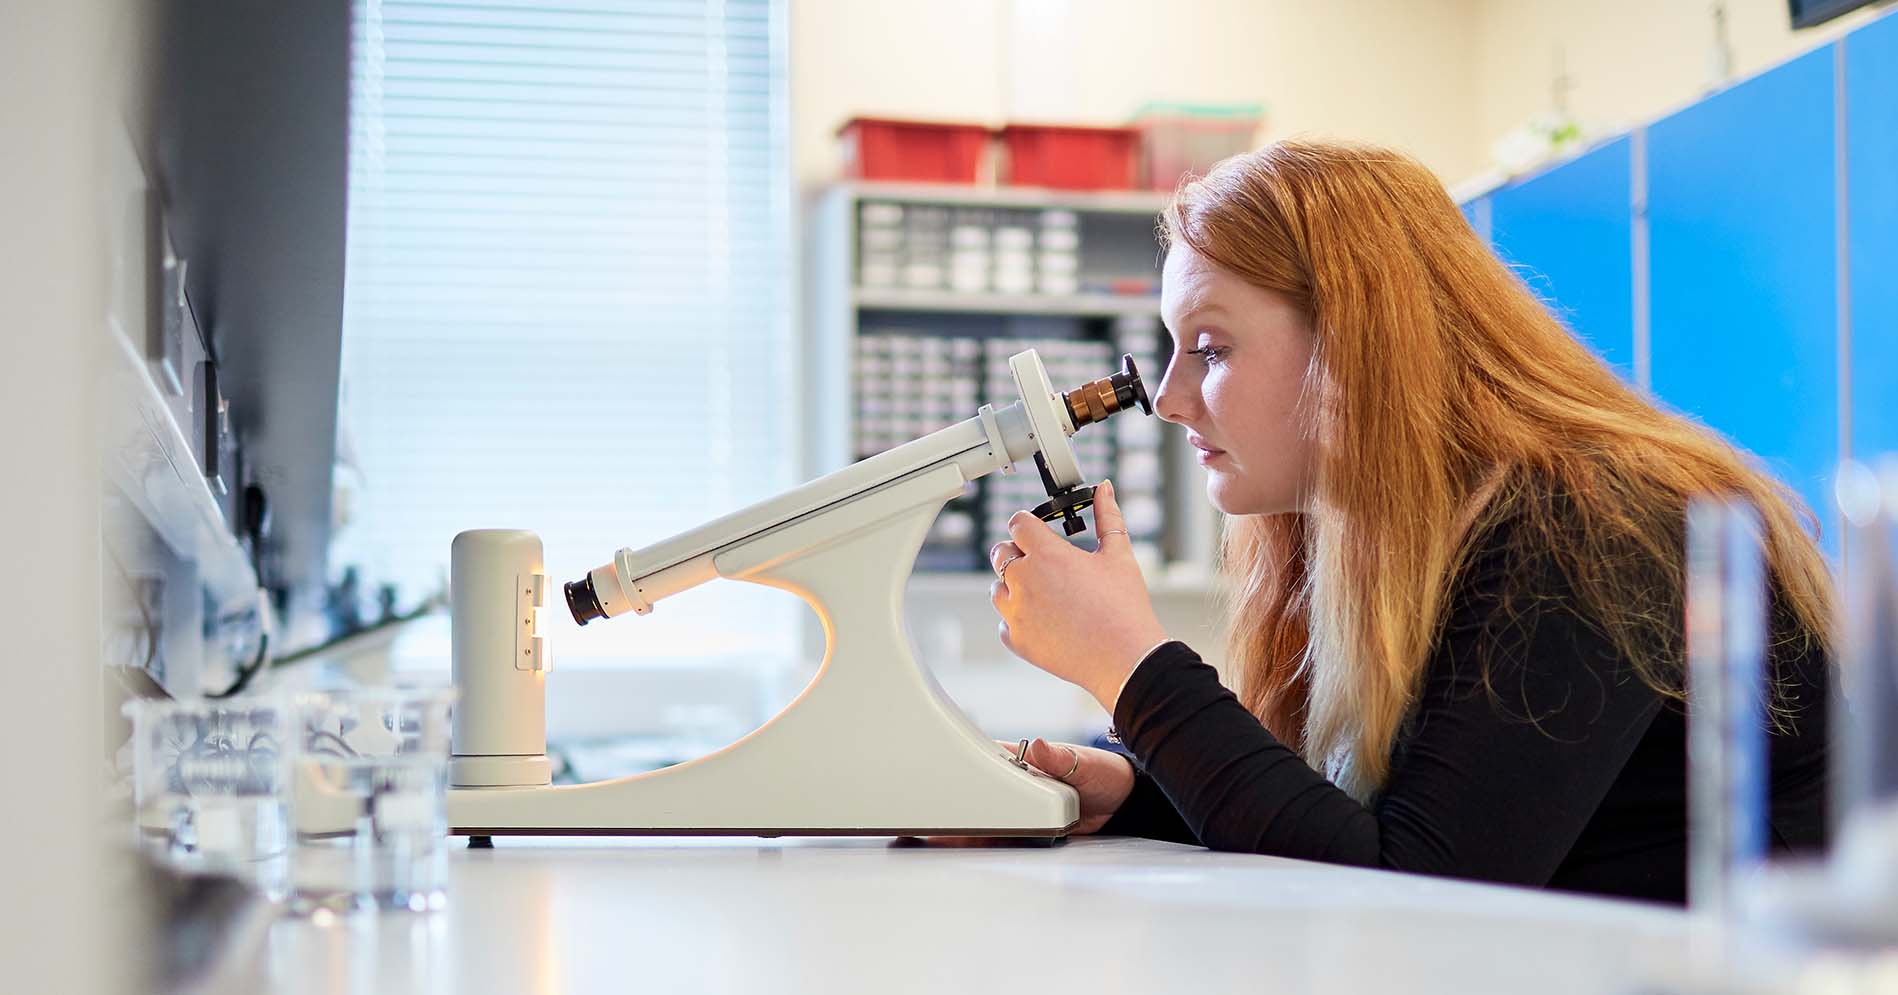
1454	554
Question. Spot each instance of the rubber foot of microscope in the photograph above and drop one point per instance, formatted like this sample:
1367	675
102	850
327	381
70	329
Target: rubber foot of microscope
480	842
979	842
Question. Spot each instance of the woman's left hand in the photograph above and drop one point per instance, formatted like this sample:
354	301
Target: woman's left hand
1083	617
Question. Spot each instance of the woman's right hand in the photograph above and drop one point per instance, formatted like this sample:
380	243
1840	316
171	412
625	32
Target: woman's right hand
1103	778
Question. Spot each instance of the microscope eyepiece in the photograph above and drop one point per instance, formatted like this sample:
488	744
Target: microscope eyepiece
1128	386
1093	402
1088	404
583	601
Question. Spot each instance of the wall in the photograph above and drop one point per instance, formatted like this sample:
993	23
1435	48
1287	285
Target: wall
1627	61
1441	78
55	925
1401	73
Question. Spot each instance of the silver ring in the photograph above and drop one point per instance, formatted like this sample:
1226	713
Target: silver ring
1116	532
1076	754
1002	571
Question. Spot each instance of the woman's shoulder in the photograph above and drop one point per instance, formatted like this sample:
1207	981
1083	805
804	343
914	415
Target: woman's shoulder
1543	559
1543	554
1538	536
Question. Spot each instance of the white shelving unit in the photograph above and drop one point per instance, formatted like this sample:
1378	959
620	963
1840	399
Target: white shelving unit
1134	202
958	302
1115	233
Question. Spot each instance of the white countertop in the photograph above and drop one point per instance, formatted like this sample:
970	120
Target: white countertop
1096	915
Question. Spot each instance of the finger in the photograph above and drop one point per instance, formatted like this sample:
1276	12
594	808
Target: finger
1001	629
1001	553
998	593
1051	759
1031	534
1107	518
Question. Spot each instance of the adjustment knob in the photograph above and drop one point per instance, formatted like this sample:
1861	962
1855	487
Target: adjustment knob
1067	506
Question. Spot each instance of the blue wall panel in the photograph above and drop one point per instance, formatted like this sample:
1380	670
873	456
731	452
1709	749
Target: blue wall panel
1742	246
1871	141
1568	233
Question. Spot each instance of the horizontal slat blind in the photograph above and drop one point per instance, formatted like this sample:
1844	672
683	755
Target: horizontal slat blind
568	297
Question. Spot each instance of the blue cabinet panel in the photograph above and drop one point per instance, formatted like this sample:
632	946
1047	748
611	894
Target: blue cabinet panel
1743	328
1568	232
1871	142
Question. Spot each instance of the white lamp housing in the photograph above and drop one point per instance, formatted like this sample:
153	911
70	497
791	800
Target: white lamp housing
496	585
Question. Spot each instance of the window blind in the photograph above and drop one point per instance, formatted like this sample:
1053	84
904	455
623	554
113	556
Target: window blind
568	298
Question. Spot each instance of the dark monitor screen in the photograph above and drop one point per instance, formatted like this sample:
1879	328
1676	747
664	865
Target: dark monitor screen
1807	13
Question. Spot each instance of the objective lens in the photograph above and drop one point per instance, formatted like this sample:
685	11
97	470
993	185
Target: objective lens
582	601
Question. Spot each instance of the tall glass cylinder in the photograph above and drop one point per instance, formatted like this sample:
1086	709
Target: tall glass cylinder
1865	698
1727	605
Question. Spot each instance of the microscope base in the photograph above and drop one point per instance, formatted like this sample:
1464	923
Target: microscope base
1047	837
872	747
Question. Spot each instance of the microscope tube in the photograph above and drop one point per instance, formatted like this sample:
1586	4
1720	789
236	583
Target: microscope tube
1726	742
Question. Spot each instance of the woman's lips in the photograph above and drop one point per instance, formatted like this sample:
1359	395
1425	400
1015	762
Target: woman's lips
1206	453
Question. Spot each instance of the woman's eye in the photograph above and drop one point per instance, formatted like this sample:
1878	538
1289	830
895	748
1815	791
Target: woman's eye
1210	355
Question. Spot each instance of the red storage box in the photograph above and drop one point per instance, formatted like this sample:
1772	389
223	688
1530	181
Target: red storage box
1070	157
926	151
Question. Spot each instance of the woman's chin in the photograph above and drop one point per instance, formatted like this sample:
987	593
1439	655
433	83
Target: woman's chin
1230	496
1223	495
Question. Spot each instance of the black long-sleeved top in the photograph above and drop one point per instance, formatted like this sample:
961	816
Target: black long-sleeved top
1590	796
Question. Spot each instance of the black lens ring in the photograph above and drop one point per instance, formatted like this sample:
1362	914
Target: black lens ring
1129	389
582	601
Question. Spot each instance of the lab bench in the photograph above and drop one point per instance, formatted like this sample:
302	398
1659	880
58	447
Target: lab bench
1097	915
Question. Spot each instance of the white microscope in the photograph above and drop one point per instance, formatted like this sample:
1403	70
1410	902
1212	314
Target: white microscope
823	766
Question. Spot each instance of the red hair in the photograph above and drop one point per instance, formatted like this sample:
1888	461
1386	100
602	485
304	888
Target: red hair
1444	398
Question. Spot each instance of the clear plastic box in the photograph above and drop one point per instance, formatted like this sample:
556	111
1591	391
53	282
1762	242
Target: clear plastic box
1181	139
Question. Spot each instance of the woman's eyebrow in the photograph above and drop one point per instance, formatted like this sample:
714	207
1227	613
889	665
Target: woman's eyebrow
1199	310
1186	317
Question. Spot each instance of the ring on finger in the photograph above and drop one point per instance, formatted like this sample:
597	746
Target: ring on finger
1002	571
1076	754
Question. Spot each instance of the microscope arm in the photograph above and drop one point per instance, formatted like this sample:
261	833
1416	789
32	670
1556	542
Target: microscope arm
846	544
993	440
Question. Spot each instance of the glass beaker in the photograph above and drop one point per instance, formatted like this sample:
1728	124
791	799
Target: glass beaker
206	780
367	775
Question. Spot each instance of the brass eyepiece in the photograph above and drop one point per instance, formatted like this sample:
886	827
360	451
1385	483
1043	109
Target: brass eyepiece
1087	404
1093	402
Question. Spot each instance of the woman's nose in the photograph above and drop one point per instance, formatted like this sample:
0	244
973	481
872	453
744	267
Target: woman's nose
1171	403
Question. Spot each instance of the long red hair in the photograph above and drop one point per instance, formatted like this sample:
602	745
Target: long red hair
1444	398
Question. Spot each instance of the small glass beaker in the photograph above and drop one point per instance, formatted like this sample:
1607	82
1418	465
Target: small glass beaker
367	776
206	778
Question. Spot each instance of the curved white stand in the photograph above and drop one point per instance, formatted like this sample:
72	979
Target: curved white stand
871	747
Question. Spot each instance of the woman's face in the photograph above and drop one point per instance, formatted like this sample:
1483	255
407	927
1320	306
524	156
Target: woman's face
1240	355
